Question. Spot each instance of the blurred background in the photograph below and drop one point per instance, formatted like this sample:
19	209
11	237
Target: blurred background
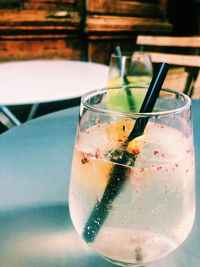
89	30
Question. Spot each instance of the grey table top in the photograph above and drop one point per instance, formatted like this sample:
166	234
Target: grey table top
35	227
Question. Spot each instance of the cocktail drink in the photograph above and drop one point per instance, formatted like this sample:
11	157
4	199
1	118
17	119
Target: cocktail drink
136	210
135	69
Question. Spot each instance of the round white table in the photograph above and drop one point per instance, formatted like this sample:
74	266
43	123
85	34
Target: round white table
40	81
35	226
36	81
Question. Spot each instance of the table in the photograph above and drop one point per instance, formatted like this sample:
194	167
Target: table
35	227
40	81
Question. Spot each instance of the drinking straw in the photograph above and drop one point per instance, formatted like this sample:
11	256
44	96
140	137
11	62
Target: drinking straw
119	62
119	173
130	100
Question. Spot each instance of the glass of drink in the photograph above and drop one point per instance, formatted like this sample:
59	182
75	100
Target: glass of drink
133	200
135	69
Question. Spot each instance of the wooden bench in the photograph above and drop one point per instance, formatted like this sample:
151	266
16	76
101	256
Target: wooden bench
178	52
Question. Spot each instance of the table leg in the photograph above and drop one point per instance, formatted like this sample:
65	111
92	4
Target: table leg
33	111
10	115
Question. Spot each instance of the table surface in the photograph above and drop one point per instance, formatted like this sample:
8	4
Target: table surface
34	81
35	227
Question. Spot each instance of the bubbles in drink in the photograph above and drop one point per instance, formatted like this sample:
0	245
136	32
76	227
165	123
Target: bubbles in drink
154	211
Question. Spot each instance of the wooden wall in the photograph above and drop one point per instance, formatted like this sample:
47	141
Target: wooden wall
75	29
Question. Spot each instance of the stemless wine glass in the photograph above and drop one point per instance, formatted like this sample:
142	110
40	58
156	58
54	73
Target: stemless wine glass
138	210
135	69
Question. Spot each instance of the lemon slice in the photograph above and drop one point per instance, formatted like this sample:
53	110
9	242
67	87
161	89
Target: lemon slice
117	132
90	172
136	144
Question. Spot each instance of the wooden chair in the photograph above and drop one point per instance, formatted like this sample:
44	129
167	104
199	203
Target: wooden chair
178	52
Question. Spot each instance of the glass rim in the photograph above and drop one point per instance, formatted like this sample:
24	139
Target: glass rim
131	54
110	112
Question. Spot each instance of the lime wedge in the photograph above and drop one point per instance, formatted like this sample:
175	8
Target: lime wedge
119	100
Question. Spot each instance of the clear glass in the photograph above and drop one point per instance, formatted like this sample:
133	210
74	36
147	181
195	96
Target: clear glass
135	69
133	202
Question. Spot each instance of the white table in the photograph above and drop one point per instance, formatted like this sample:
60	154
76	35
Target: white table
39	81
35	227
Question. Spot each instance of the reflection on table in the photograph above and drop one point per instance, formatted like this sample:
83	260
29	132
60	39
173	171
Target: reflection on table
35	226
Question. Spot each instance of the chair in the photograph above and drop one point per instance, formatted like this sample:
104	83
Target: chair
179	52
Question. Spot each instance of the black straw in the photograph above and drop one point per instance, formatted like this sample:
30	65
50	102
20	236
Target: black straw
149	100
119	62
119	173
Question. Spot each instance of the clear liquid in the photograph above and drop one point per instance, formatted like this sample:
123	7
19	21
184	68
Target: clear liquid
154	212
